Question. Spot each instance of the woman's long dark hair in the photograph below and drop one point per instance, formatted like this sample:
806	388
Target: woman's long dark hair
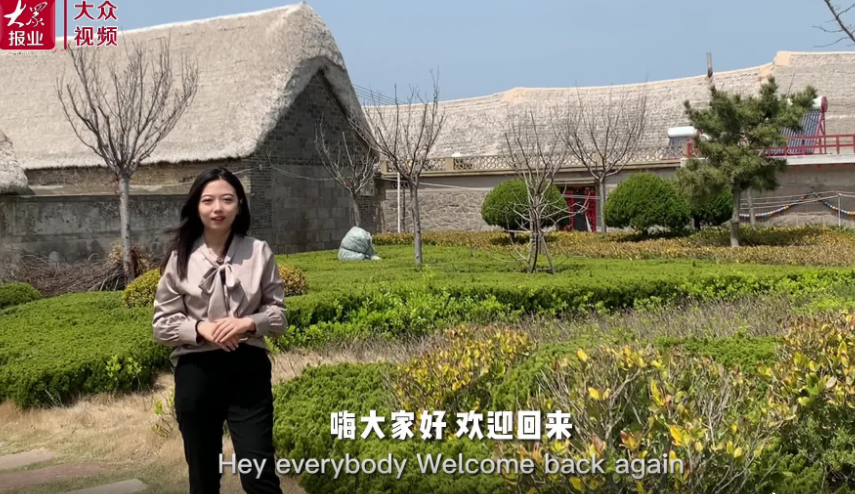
191	227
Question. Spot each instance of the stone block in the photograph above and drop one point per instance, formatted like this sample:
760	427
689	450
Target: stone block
18	460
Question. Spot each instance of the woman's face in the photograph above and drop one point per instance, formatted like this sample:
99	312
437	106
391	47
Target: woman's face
218	206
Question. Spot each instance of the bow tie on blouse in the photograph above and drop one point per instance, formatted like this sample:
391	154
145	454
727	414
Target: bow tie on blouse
224	289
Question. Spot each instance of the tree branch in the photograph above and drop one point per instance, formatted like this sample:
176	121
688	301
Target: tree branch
844	28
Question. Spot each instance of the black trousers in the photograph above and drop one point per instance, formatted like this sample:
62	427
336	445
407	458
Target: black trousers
214	387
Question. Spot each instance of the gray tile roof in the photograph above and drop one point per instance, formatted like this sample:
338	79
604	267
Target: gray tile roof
474	126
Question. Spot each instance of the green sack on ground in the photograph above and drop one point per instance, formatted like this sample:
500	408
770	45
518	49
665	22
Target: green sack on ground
356	245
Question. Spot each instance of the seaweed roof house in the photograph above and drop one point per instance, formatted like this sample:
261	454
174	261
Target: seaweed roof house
13	180
467	160
265	80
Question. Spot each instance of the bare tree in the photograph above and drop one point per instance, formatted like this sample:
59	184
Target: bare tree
843	30
404	134
123	113
603	136
536	155
350	162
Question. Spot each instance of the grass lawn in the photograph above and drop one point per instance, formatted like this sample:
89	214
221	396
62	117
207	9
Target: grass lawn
453	265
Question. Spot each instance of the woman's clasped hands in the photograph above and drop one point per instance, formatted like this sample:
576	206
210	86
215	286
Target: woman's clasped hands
227	332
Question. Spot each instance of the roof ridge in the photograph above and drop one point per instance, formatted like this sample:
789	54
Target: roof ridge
519	89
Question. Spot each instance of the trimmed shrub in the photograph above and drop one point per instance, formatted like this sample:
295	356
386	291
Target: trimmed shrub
414	310
516	391
303	407
141	291
55	349
505	206
459	378
645	200
293	280
17	293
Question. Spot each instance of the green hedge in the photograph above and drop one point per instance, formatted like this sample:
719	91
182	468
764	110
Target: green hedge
17	293
302	430
741	352
645	200
505	206
55	349
141	291
418	309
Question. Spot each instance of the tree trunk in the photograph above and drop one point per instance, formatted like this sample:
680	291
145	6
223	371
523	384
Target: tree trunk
357	216
601	207
534	248
734	218
125	227
548	254
417	223
751	215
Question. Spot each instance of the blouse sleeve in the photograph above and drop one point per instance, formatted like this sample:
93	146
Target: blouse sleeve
270	318
172	326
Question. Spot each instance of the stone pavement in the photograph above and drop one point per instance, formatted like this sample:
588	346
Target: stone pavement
11	481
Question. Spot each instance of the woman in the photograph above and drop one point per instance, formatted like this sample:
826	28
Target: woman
219	294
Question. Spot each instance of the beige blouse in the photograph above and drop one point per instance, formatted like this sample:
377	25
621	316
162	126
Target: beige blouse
247	284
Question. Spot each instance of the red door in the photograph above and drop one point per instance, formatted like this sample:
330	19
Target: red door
583	208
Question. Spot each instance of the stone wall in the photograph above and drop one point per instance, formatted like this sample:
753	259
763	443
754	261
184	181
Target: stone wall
160	178
440	210
303	208
454	202
71	228
801	180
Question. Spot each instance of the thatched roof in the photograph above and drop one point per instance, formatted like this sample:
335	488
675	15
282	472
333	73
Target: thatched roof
251	69
13	180
474	126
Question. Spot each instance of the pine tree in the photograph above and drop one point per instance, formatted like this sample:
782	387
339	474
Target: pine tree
736	131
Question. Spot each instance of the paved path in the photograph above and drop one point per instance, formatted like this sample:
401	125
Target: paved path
11	481
126	487
19	460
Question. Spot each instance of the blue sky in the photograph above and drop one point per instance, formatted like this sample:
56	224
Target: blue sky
482	47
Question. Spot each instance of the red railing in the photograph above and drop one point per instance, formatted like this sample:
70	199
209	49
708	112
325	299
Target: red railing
805	146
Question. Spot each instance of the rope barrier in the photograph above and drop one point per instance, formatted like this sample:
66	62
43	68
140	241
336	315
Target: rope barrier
785	207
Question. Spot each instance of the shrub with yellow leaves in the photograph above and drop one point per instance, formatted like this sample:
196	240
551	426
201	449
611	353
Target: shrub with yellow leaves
814	378
801	246
293	280
141	291
637	404
458	377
